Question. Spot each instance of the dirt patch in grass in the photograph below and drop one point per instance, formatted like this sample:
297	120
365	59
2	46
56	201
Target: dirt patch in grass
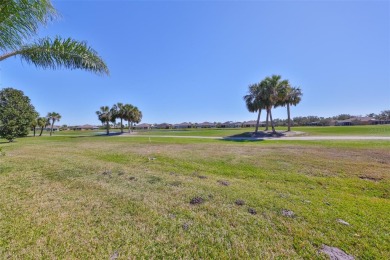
196	200
239	202
223	182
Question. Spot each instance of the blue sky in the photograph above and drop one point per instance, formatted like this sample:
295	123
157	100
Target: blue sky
193	60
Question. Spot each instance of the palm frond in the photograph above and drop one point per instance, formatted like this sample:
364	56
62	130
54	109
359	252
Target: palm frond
20	19
61	53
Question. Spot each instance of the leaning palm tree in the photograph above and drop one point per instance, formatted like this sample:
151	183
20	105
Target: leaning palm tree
42	122
106	115
53	117
19	22
253	101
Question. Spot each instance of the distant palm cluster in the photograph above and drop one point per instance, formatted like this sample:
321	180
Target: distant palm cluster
120	111
272	92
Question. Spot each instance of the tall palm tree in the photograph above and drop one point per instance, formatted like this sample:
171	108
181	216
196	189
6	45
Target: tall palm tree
53	117
253	101
106	115
42	122
19	22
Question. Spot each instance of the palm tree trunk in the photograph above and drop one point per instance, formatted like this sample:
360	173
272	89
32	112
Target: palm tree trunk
288	116
122	125
51	129
40	134
272	122
128	124
267	122
34	130
258	121
107	127
131	126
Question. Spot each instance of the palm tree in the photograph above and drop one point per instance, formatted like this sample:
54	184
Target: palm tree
253	101
106	115
119	113
19	22
290	96
34	124
128	115
53	117
136	115
42	122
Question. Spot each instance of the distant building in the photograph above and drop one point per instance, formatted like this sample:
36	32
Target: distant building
356	121
84	127
206	125
143	126
231	124
252	123
182	125
163	126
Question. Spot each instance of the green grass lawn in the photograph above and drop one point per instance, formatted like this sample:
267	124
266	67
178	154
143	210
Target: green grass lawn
370	130
95	197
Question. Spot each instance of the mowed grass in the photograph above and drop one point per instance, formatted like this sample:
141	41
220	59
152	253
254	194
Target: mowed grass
101	197
369	130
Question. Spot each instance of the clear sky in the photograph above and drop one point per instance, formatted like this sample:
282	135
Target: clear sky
193	60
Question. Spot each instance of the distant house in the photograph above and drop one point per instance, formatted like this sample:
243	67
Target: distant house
85	127
163	126
381	122
55	128
252	123
143	126
231	124
356	121
182	125
206	125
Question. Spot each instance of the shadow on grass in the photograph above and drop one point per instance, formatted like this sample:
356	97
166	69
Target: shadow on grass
102	134
252	137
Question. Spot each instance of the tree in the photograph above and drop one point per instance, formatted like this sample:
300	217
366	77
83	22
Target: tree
19	22
136	115
289	96
120	113
16	114
34	124
132	115
253	101
42	122
53	117
128	115
106	115
384	115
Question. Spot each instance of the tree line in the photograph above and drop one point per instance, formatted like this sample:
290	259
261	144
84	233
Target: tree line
120	111
270	93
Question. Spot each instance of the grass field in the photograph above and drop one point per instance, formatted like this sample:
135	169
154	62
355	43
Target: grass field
369	130
99	197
